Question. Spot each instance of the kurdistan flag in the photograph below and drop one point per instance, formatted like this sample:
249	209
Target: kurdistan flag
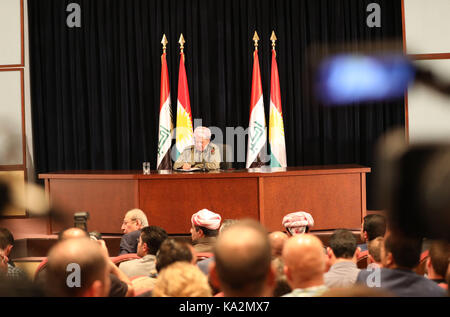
184	130
276	127
165	120
257	134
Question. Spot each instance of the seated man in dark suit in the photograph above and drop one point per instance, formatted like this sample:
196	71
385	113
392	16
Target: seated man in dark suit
133	222
399	256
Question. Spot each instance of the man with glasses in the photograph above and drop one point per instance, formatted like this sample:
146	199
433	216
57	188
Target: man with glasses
133	222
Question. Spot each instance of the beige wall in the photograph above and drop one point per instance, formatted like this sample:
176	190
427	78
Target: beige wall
427	29
11	82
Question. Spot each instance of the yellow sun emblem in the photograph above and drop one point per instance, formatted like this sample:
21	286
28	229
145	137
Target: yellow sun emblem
184	126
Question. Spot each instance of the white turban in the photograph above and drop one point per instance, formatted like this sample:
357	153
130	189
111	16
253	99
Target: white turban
206	218
202	133
297	222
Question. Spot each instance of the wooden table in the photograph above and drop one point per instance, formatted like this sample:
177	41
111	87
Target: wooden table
334	195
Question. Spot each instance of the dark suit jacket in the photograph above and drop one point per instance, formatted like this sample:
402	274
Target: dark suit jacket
129	242
403	283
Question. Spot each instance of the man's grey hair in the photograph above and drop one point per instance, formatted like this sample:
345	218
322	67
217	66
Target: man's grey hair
227	223
138	215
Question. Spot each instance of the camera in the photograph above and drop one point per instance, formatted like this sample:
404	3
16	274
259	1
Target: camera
413	186
80	220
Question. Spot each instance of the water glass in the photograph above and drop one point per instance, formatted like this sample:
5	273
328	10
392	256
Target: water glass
146	168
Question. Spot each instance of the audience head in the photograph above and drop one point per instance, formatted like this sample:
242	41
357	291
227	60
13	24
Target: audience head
342	245
226	223
243	261
95	235
181	279
400	251
6	241
72	233
282	286
204	223
135	219
304	261
77	261
150	240
374	247
277	240
438	261
202	137
373	226
298	222
172	251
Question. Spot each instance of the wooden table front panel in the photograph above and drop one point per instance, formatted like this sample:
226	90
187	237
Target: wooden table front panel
333	200
170	203
106	200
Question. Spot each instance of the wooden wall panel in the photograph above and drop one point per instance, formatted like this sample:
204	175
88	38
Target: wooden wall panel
107	201
334	201
170	203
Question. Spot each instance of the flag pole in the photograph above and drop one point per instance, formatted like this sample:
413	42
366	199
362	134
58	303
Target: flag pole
164	161
164	43
273	38
256	39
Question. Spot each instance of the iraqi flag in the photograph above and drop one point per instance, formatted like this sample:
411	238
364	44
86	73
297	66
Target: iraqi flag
184	130
257	134
165	120
276	128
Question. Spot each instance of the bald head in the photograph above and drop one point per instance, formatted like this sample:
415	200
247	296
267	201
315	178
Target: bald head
70	257
277	240
243	258
73	233
304	260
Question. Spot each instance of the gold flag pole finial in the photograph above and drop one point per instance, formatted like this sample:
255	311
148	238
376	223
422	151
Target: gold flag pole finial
273	38
181	41
164	43
256	39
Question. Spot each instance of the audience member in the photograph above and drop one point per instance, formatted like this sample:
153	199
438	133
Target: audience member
6	245
356	291
169	252
149	242
277	240
373	226
133	222
120	284
172	251
204	230
282	286
298	222
72	233
399	256
342	254
181	279
81	262
242	265
205	263
437	263
304	265
374	248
